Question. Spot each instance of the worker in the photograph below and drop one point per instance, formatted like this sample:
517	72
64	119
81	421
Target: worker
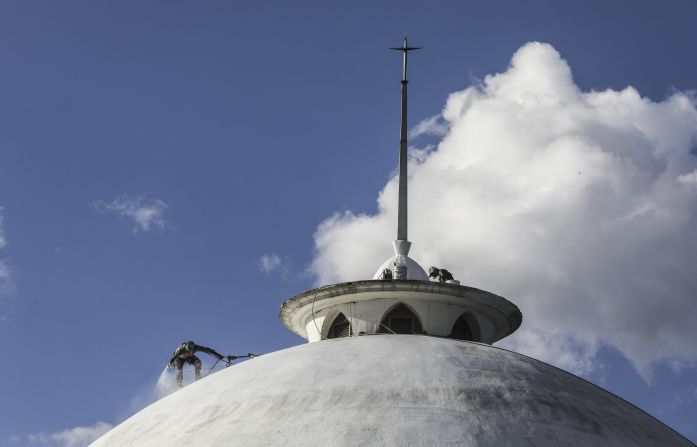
186	352
445	276
441	274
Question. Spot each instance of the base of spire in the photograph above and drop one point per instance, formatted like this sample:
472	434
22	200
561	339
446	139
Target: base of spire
401	250
401	247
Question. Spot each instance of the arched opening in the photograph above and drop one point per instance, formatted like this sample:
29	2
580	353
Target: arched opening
465	328
400	320
340	327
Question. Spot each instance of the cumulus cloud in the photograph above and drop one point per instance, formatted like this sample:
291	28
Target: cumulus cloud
579	206
433	125
72	437
689	179
144	213
269	262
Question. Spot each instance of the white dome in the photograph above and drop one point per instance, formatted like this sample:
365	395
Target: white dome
398	390
414	270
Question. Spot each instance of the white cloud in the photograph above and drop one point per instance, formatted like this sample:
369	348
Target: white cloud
144	213
270	262
689	179
433	125
72	437
578	206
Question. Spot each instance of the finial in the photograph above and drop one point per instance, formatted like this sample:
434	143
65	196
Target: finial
405	48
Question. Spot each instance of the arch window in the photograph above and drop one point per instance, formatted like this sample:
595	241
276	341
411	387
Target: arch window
400	320
465	328
340	327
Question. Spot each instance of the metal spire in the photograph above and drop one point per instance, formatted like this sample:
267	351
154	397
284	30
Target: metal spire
402	210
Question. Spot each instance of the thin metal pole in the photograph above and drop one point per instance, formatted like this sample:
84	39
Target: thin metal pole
402	212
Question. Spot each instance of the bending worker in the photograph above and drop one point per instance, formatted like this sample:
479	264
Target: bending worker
186	352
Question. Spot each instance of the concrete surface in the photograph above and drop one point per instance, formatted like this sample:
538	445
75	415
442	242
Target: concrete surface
392	390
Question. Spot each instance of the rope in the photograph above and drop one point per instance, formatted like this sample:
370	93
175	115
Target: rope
211	368
229	359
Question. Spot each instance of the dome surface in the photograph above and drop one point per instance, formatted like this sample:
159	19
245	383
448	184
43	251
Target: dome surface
398	390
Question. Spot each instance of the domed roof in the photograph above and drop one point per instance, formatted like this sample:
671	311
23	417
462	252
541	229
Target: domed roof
401	390
414	270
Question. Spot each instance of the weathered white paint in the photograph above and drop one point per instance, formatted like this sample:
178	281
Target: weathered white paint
392	390
364	303
437	318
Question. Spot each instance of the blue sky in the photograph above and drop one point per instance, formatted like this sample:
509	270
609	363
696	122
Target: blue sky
151	153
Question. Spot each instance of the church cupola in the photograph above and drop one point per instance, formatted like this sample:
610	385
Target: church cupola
401	298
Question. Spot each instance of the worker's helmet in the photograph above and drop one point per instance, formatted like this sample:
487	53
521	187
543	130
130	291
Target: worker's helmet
189	346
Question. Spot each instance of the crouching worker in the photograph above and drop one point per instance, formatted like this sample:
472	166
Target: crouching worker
186	352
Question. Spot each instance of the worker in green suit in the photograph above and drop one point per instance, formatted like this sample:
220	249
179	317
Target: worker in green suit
186	353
